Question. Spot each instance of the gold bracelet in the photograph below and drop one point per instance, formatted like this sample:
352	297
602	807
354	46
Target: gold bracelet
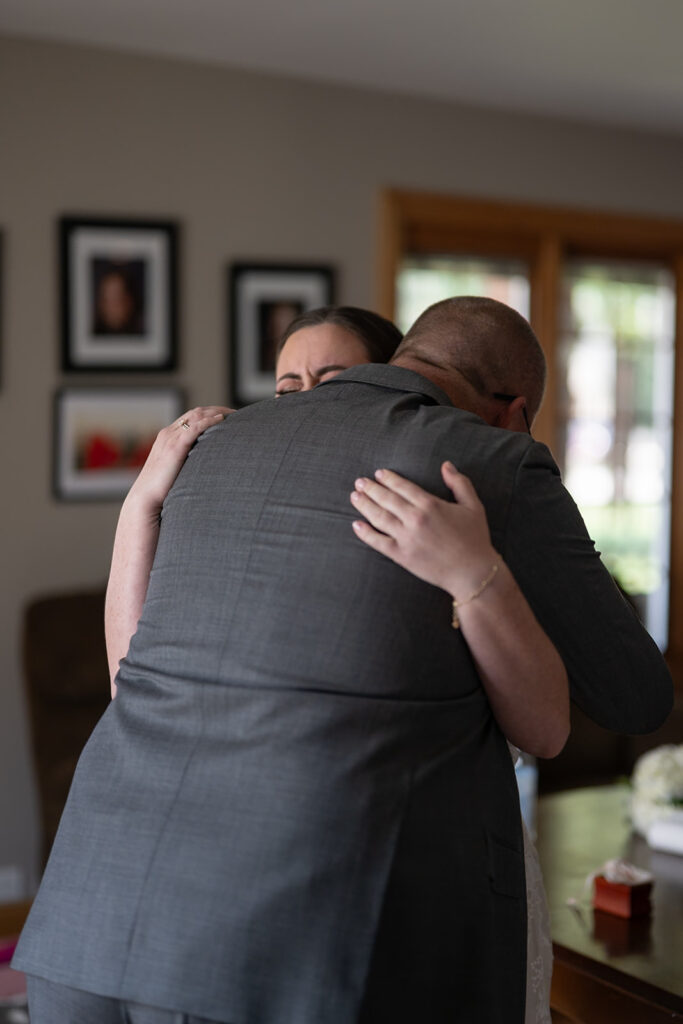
455	622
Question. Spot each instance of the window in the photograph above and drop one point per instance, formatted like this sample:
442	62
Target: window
616	420
423	280
604	294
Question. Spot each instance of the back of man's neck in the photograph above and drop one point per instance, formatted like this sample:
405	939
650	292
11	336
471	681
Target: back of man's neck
451	382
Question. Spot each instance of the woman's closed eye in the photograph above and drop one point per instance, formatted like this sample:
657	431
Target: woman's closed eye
288	383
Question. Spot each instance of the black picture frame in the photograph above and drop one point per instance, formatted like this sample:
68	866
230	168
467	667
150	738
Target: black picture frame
263	298
119	294
102	436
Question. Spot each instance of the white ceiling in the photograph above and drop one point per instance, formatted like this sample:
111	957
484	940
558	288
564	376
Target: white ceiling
616	61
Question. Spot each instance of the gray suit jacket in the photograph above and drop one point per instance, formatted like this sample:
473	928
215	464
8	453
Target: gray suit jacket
299	808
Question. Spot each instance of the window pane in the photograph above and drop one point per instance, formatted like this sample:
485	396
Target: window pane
616	410
423	280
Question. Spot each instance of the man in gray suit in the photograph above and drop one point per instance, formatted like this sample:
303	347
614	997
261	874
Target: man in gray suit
300	808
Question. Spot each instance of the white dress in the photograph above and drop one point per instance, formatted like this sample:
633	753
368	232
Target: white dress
539	966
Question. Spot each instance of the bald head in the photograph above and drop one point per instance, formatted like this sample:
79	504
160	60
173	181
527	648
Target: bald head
481	347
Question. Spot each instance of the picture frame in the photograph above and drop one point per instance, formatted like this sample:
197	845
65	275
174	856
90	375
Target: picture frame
119	294
263	299
102	437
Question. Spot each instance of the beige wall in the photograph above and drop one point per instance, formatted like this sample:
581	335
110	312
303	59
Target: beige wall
251	167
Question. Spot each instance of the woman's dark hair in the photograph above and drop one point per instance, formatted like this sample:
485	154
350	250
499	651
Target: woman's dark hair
380	337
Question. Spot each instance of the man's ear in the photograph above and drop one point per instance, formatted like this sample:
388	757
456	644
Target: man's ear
512	416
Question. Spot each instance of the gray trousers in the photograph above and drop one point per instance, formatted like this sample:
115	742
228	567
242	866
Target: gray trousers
51	1003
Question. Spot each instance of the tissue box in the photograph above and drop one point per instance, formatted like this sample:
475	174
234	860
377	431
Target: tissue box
666	834
622	900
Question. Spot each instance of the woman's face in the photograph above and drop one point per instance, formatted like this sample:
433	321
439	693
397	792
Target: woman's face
314	354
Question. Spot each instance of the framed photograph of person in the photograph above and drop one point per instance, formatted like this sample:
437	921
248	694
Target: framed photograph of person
118	294
264	299
102	436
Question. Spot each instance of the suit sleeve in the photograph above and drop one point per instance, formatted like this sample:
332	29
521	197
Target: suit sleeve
617	674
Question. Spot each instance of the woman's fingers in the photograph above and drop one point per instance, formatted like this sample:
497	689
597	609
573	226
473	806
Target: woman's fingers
379	495
406	489
409	502
460	485
374	507
184	431
395	504
379	541
409	494
202	415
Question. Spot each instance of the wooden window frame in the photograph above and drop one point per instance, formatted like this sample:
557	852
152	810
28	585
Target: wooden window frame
425	223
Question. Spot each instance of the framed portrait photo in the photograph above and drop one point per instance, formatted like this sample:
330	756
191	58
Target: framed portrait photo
102	436
118	294
264	299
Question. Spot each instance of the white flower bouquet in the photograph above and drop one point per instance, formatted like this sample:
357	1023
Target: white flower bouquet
657	786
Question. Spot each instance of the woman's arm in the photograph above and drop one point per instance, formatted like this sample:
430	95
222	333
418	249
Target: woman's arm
449	545
137	531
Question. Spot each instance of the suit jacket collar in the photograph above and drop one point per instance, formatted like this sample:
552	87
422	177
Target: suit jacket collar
396	378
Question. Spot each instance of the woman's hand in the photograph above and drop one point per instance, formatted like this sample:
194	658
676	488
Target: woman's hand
449	545
168	453
446	544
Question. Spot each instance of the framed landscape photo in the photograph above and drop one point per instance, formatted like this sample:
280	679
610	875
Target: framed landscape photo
264	299
119	282
102	436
